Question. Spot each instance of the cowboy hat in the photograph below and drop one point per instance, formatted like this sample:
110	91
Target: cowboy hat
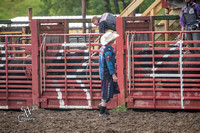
108	37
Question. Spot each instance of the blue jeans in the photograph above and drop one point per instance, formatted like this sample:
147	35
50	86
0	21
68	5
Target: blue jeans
193	36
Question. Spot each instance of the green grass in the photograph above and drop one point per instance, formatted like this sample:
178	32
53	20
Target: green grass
119	109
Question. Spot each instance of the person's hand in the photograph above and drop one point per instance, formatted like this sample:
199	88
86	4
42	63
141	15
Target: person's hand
114	78
183	28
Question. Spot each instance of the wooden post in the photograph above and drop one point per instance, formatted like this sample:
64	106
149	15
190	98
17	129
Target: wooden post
83	15
66	30
166	27
153	14
30	16
23	41
14	41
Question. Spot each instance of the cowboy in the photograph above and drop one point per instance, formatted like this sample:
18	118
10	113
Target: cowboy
108	77
190	20
105	22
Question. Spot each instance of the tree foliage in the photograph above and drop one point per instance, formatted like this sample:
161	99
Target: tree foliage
93	7
145	5
14	8
72	7
61	7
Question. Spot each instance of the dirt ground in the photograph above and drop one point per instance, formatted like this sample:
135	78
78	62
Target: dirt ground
88	121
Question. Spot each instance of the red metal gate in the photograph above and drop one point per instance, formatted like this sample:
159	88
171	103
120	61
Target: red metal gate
68	67
62	73
16	82
143	23
70	77
160	77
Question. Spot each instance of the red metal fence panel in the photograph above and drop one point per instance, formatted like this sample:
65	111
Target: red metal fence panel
160	77
54	71
61	70
15	72
69	73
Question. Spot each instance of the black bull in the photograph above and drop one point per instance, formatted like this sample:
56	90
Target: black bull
71	62
17	64
75	69
157	59
16	67
16	75
167	70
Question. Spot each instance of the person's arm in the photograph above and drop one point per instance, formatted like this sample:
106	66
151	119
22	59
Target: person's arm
197	8
110	65
102	27
182	20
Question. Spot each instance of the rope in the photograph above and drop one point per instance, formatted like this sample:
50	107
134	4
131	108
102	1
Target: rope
42	67
129	61
132	40
87	67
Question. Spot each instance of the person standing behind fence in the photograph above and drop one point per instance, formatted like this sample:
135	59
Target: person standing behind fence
108	77
190	20
105	22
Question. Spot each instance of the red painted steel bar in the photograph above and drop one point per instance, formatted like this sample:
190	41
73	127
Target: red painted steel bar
153	60
71	90
75	34
66	80
18	65
191	75
71	64
120	59
19	58
15	71
72	81
14	36
6	66
35	65
17	77
160	32
70	85
73	70
73	57
141	49
77	76
21	86
61	44
90	71
19	81
159	69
